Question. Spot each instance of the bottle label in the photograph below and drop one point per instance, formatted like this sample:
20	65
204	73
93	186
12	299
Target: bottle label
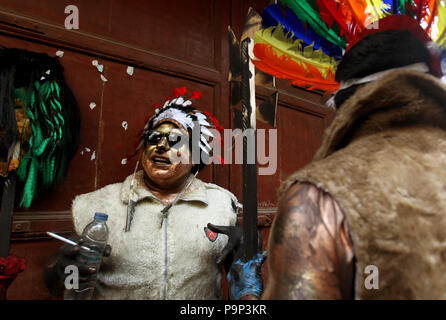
90	257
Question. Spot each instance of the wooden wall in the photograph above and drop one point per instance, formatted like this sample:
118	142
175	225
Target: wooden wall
170	44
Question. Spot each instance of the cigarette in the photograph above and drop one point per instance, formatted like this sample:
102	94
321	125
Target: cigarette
66	240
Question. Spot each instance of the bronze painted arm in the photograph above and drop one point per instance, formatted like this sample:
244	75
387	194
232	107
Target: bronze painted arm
310	251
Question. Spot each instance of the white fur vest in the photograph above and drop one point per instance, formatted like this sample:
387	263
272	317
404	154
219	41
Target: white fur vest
139	266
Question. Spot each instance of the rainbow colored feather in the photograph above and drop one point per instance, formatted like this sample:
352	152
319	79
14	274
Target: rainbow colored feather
304	42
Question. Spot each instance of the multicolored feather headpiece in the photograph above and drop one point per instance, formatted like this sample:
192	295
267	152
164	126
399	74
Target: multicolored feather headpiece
303	40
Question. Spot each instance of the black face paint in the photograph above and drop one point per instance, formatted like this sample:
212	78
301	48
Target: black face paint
173	138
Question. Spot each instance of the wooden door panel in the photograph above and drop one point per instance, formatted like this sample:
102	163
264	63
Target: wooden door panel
301	137
157	26
160	27
268	184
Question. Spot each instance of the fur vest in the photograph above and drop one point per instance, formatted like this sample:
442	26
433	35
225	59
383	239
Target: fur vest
384	160
175	260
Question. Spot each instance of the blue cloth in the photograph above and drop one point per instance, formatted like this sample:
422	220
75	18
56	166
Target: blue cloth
246	278
273	15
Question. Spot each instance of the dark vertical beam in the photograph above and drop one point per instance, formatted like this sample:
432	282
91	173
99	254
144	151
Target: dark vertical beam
6	213
249	169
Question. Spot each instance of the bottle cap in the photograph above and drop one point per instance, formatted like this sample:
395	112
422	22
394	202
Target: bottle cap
101	216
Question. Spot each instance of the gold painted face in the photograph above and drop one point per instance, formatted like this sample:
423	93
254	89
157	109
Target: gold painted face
158	155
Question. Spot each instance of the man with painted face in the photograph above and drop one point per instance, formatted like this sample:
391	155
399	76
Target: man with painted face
161	247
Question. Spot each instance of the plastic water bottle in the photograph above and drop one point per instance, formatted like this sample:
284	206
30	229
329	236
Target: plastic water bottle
95	236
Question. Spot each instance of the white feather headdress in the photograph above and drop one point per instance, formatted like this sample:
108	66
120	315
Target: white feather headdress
180	111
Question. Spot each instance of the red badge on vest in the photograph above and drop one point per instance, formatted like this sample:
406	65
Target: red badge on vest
212	236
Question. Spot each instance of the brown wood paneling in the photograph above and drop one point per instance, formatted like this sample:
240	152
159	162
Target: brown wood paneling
166	21
268	184
20	25
301	137
140	23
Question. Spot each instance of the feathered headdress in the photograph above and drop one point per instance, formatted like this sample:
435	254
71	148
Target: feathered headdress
304	42
40	119
179	110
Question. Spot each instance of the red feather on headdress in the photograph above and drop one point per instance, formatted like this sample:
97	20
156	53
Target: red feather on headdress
196	95
220	129
178	92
